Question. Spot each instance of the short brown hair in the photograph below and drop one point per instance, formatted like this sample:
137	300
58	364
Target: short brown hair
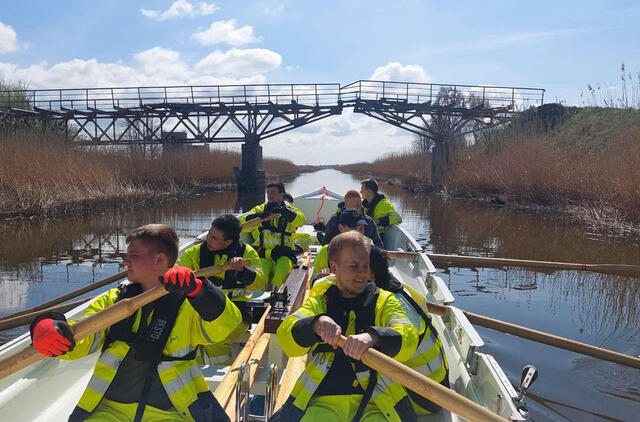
160	238
370	184
352	193
352	239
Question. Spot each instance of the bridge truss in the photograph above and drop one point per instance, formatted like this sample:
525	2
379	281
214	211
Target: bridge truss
177	115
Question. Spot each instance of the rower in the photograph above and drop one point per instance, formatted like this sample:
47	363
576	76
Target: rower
347	220
146	369
223	245
352	199
429	358
334	387
272	239
377	206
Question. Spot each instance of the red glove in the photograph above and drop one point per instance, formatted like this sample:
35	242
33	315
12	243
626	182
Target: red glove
52	337
182	279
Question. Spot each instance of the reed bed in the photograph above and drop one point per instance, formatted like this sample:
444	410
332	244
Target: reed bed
42	175
413	169
588	164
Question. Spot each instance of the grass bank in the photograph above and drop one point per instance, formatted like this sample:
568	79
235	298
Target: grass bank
44	176
587	165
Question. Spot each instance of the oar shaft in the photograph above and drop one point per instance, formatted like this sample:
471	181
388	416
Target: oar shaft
97	322
542	337
71	295
426	387
615	269
9	323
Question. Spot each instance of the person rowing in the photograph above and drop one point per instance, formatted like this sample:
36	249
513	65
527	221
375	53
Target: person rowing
223	245
146	368
335	386
272	239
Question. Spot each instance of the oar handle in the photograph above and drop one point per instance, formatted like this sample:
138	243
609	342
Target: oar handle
426	387
99	321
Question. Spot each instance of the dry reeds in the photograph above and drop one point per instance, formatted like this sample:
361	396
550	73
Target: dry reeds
412	168
42	174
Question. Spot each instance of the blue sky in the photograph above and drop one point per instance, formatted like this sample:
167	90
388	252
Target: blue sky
558	45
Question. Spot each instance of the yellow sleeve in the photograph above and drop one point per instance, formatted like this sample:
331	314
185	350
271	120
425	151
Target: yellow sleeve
93	343
392	315
191	258
294	334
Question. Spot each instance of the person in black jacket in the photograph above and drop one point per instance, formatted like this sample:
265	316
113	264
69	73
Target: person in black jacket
352	199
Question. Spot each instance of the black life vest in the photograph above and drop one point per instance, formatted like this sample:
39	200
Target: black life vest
151	338
370	207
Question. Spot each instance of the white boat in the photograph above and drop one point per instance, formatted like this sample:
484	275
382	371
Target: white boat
49	390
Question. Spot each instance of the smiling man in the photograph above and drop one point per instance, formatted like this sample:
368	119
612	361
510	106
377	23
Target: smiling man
335	385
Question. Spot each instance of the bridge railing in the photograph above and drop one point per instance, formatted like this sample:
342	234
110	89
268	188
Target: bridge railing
109	99
441	94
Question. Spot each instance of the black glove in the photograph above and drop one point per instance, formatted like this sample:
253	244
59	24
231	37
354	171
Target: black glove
383	221
288	214
319	227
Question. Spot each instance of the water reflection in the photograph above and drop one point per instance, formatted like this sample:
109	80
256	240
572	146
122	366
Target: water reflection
42	260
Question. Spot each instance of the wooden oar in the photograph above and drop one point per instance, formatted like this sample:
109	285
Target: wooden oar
542	337
71	295
295	367
98	321
475	261
426	387
257	221
225	391
9	323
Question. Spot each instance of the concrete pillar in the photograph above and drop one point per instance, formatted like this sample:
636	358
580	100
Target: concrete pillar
251	177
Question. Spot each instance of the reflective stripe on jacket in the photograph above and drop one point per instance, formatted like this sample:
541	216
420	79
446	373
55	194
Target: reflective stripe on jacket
267	236
182	379
428	359
389	314
191	259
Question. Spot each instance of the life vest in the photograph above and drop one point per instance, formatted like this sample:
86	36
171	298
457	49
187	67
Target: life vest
320	376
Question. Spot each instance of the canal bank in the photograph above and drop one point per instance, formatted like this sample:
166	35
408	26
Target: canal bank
583	164
43	176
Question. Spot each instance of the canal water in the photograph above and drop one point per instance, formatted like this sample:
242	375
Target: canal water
43	260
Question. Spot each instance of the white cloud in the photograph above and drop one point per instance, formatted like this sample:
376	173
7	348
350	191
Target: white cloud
153	67
226	31
163	65
181	9
395	71
74	73
240	62
8	39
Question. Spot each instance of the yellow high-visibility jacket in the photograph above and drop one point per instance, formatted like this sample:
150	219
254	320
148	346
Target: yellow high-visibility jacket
296	339
382	211
182	379
238	284
273	232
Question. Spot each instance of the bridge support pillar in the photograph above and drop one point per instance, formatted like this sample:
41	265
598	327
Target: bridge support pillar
251	177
